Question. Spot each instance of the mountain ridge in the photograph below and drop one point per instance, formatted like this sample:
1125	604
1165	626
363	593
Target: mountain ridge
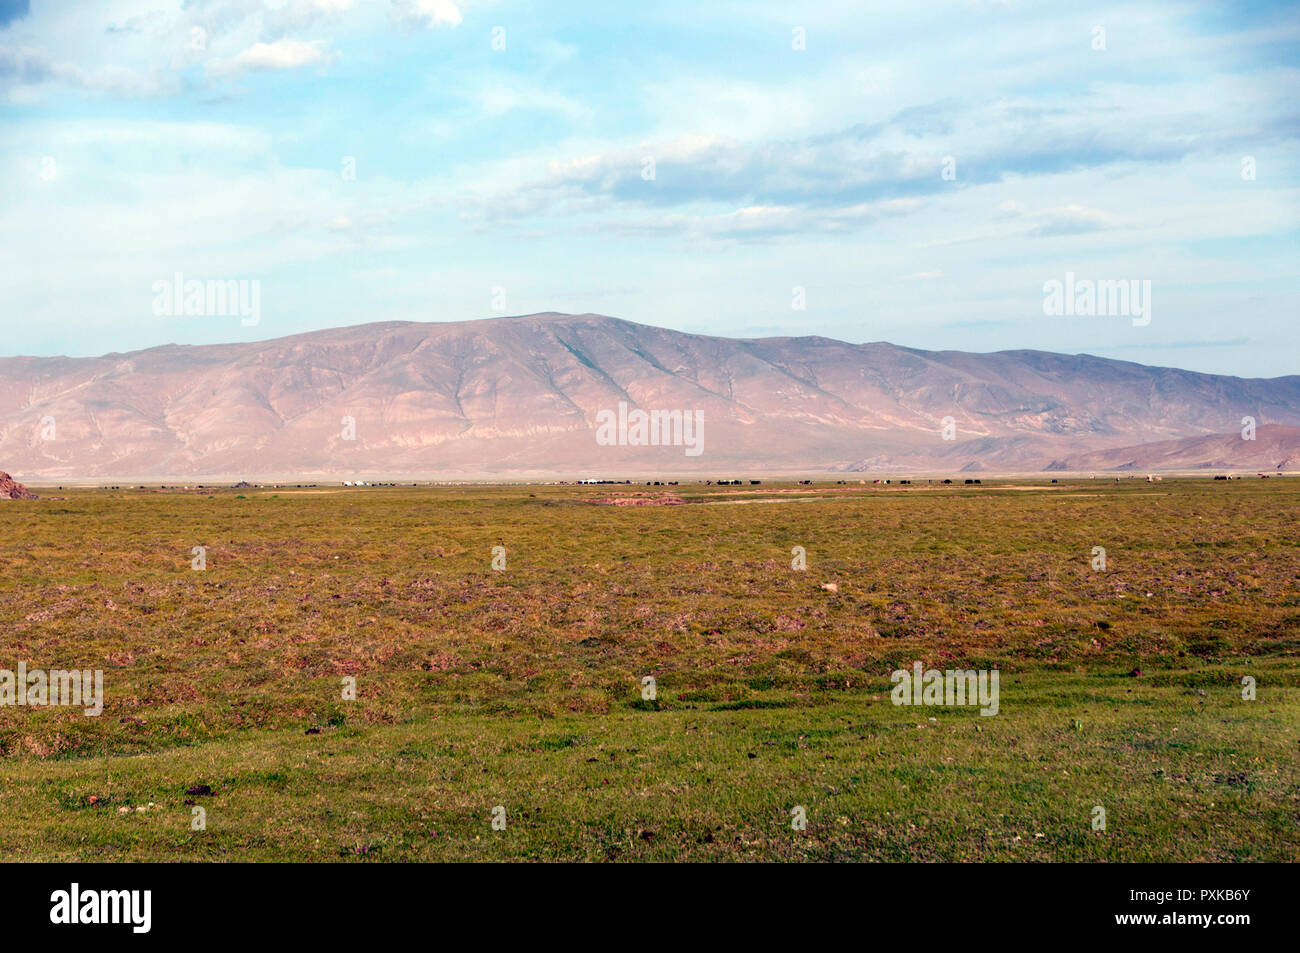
557	315
508	394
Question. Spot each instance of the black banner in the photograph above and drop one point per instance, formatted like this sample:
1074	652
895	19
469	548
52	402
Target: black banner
336	903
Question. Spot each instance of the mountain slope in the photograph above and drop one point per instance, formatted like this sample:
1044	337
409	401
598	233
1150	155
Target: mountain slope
1272	448
524	394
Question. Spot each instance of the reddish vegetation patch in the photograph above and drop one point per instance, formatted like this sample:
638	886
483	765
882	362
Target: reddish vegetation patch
10	489
656	499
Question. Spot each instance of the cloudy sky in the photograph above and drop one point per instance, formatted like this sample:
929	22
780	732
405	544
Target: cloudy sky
913	176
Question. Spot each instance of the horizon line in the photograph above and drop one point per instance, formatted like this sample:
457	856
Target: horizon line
614	318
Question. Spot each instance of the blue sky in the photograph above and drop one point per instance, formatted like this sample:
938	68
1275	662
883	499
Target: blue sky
502	166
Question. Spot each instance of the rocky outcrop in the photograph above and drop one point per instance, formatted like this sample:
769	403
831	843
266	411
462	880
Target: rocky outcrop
11	489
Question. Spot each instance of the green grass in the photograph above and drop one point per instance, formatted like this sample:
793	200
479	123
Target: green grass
522	688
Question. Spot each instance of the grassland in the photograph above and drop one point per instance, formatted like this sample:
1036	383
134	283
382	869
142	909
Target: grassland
522	688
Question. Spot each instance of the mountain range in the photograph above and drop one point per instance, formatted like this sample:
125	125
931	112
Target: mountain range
525	395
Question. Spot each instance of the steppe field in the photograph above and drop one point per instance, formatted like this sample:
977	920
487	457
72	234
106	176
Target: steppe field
517	694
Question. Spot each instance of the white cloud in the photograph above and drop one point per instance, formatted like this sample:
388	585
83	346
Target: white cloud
426	13
301	14
282	54
1073	220
499	98
26	67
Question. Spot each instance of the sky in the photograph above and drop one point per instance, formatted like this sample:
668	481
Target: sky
853	170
